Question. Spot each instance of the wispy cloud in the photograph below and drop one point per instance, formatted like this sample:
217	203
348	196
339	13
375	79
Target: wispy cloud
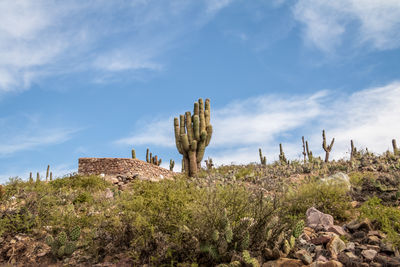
30	135
327	24
368	117
42	38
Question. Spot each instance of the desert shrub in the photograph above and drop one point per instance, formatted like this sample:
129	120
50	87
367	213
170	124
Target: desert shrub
328	197
385	218
357	178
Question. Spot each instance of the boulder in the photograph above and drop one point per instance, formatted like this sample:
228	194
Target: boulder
316	218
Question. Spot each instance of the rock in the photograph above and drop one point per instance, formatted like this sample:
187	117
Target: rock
337	230
369	254
364	225
109	194
349	259
335	246
338	177
374	240
321	258
331	263
283	262
385	247
315	218
304	256
322	239
350	246
387	261
271	254
359	235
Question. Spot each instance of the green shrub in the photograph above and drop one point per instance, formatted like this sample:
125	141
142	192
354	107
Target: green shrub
385	218
328	197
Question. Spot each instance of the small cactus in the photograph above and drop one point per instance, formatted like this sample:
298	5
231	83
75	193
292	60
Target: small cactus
62	238
304	149
69	248
47	172
249	260
37	177
263	159
298	229
309	153
215	235
395	149
209	163
152	160
51	176
133	153
171	165
325	147
282	157
30	177
75	233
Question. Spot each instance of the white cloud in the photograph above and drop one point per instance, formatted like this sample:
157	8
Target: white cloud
33	134
364	22
42	38
368	116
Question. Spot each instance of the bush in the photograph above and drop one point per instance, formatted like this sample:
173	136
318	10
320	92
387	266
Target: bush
387	219
328	197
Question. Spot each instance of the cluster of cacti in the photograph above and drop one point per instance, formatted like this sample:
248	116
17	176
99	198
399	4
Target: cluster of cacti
248	260
171	165
263	159
282	157
63	244
325	147
297	231
225	238
192	135
133	153
153	160
209	163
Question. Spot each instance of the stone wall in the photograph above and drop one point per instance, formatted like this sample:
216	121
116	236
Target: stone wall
121	167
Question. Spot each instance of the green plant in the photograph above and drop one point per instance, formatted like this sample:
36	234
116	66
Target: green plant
282	157
387	219
153	160
192	135
328	197
133	153
326	148
63	244
263	159
249	260
171	165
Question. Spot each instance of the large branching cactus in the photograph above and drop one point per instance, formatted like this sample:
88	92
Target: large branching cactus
192	135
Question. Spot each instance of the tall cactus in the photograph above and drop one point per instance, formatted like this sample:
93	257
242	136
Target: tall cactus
171	165
47	172
395	149
326	148
304	149
282	157
353	152
193	134
309	153
263	159
133	153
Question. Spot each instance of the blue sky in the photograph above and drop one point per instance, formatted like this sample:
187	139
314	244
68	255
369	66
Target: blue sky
95	79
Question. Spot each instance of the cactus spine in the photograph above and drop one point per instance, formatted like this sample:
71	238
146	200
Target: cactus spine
171	165
282	157
133	153
326	148
192	135
395	149
263	159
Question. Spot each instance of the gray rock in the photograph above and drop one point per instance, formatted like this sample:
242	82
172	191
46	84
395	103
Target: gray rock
316	218
369	254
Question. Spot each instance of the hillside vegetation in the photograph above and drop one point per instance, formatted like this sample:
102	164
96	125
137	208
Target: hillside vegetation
239	215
